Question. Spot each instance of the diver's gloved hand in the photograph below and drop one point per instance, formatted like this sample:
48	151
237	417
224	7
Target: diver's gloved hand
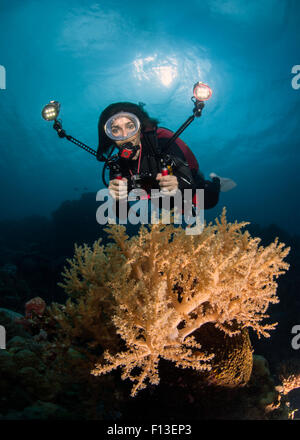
118	188
226	184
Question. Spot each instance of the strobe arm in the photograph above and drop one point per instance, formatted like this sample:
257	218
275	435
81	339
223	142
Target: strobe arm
112	162
197	111
62	134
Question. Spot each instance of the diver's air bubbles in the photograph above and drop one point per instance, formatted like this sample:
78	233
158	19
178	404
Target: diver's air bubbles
51	111
201	91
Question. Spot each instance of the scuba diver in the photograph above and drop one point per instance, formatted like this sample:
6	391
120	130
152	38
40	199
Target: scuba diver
147	159
150	158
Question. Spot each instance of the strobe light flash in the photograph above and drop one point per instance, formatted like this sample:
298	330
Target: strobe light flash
51	111
201	91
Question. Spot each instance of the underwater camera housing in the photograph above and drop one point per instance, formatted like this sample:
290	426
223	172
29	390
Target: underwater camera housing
145	181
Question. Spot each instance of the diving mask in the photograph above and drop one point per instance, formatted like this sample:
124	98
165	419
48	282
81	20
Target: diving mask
122	126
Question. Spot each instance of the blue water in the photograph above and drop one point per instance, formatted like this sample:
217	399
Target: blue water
88	54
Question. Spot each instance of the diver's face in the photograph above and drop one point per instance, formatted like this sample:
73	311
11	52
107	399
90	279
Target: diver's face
123	126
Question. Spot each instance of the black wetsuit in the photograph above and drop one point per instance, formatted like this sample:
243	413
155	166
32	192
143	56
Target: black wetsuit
187	171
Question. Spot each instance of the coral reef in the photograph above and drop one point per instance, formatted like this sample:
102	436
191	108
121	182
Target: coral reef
290	383
43	378
160	286
69	337
290	375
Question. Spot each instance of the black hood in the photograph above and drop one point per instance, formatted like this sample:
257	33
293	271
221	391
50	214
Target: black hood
146	122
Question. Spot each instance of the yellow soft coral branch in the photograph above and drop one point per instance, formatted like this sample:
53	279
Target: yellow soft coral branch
165	285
